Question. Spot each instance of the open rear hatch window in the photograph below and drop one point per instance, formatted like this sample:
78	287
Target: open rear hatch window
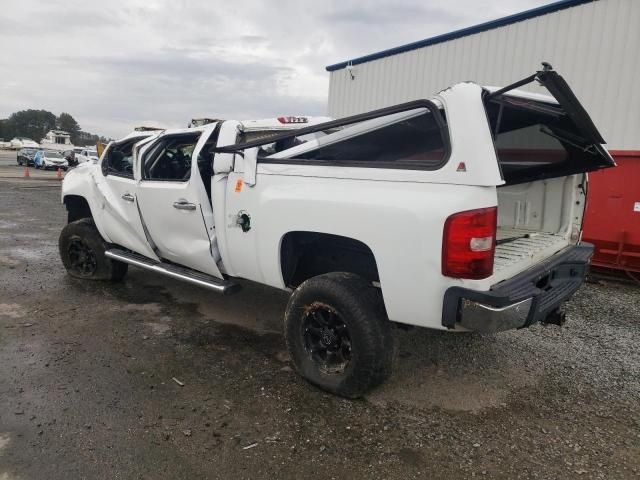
537	139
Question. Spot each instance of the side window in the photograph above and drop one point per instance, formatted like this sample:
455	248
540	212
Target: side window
413	143
119	160
170	158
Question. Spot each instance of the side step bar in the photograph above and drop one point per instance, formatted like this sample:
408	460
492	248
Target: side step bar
225	287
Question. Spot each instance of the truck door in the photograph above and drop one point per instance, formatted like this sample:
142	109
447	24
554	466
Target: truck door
174	204
116	184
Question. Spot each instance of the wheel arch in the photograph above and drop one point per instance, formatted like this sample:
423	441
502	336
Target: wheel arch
306	254
77	207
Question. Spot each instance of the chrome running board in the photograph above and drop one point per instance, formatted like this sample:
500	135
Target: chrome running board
225	287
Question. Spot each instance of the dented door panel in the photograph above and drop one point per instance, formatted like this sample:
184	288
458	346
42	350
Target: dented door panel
177	214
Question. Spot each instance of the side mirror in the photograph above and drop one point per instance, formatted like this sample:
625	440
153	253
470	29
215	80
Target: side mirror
250	165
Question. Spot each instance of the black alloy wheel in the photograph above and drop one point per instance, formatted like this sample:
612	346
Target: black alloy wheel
82	257
82	251
338	334
326	339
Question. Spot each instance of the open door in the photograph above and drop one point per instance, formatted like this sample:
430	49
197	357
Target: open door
174	203
120	219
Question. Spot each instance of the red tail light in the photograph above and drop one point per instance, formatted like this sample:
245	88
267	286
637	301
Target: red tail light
469	244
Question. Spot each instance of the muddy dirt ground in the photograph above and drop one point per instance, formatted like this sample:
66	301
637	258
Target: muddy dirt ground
87	389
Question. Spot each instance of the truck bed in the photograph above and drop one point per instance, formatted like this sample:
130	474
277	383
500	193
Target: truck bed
520	254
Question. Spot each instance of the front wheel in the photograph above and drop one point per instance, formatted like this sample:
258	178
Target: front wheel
338	335
82	253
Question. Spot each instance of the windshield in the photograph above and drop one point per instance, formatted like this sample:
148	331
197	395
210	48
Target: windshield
52	155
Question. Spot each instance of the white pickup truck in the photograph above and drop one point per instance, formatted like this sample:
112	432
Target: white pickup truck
459	213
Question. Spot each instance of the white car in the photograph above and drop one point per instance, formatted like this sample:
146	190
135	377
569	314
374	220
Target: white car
84	154
458	213
46	159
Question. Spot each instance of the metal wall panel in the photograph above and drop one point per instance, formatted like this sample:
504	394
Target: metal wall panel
595	46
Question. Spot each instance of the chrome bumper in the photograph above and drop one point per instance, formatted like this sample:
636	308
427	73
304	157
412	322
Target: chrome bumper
487	319
529	297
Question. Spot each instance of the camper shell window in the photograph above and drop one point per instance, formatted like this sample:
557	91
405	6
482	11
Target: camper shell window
410	135
536	140
414	139
414	143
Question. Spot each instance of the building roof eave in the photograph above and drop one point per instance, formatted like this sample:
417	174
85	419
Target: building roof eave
464	32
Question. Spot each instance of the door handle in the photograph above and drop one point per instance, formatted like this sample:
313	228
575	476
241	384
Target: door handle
128	197
184	205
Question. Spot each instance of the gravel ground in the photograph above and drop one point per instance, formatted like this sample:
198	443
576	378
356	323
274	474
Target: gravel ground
86	387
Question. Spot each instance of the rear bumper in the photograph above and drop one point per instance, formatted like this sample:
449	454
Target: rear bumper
529	297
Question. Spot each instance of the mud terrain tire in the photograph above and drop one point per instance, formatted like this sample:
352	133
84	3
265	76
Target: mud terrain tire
338	334
82	253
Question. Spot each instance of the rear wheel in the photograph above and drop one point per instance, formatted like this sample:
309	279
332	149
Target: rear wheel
338	335
82	253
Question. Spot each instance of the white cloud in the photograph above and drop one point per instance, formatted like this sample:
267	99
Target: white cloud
117	64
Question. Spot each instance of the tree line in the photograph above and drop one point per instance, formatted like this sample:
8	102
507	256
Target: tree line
35	124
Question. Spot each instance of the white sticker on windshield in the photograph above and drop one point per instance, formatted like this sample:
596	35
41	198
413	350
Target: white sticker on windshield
636	207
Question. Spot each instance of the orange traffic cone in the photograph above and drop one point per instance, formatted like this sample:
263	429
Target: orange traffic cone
59	174
26	172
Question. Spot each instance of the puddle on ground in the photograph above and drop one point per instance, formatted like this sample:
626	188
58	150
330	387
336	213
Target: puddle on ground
160	327
433	387
141	307
4	441
255	323
19	253
252	318
6	476
23	236
430	373
258	309
231	337
6	261
12	310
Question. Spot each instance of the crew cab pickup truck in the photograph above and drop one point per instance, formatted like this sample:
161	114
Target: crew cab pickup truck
460	213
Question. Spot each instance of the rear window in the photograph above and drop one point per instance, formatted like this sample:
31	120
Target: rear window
535	139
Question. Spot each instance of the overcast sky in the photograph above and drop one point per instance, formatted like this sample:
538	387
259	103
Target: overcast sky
121	63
